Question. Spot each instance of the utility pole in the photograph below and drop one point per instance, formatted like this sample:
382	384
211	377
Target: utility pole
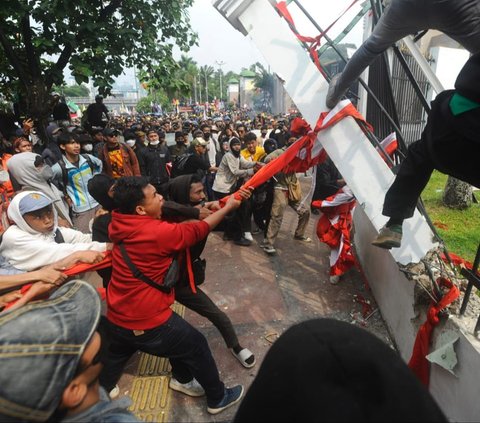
206	86
220	64
195	88
200	90
136	81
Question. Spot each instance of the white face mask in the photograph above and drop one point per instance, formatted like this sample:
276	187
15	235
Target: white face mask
88	147
130	143
154	142
4	176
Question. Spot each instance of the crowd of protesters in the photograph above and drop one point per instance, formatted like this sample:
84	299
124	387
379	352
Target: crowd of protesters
116	186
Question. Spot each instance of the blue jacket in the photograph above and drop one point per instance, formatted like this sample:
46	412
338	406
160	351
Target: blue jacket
77	180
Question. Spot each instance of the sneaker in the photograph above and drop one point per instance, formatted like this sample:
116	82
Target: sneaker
389	237
115	392
269	249
248	236
231	397
192	388
333	94
303	238
334	279
244	242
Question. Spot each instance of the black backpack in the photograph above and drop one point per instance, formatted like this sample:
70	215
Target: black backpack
178	165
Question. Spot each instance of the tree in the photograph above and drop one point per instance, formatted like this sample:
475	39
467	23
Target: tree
206	72
265	82
457	194
144	105
72	90
96	39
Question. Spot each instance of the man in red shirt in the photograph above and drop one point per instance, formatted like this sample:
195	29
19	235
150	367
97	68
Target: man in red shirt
139	315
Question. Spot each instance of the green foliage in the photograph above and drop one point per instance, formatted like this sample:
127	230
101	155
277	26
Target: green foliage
144	105
72	90
460	229
264	80
96	39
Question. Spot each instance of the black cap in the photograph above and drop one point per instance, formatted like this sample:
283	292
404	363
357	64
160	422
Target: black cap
109	131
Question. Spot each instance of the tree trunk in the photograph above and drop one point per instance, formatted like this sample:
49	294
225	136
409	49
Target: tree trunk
39	107
457	194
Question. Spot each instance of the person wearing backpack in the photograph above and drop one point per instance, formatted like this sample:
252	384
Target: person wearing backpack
193	163
73	173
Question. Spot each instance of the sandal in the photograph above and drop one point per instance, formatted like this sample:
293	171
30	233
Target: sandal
244	357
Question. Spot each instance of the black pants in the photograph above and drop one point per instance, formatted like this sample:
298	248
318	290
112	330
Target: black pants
450	144
202	304
232	222
185	347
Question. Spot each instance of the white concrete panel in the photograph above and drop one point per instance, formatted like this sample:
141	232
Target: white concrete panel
362	167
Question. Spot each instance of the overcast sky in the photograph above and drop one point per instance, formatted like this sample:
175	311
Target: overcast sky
218	41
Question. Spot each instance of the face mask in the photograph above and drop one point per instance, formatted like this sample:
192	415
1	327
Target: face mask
206	136
264	134
88	147
46	172
130	143
154	142
4	176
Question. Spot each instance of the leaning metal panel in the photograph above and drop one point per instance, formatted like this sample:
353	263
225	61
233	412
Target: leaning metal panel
360	164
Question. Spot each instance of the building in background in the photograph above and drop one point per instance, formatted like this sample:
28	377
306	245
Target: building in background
232	90
247	88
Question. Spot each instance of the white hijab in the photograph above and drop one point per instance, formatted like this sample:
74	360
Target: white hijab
14	214
27	249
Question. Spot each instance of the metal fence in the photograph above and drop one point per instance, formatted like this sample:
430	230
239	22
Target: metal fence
411	114
398	96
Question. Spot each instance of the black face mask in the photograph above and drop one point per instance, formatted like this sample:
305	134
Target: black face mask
206	136
264	134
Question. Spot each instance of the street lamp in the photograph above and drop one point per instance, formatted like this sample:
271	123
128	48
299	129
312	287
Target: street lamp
220	64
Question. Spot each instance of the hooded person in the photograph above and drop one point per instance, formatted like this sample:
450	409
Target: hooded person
29	172
100	188
340	373
35	239
189	190
232	169
52	153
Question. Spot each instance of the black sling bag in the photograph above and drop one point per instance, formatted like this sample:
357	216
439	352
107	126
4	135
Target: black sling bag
169	281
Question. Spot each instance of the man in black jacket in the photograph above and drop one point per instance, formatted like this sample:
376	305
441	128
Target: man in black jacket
153	161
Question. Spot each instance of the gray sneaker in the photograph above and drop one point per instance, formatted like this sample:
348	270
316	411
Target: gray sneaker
192	388
333	95
390	237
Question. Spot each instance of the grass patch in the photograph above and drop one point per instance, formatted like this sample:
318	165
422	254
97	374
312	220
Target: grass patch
460	229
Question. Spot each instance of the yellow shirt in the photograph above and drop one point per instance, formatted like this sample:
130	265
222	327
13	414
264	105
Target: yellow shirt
256	157
116	159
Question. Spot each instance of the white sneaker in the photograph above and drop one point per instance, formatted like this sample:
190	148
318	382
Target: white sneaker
269	249
248	235
115	392
192	388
